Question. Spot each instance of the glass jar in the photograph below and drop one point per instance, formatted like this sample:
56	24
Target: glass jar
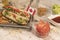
43	10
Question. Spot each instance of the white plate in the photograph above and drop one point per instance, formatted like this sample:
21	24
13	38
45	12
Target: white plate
49	19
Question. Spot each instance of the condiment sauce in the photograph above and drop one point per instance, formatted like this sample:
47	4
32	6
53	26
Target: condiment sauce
56	19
